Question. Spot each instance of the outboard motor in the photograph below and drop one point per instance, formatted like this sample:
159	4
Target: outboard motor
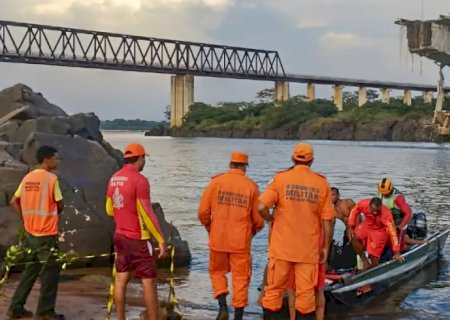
417	228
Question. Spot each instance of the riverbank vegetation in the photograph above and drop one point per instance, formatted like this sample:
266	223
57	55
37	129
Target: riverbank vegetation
122	124
299	118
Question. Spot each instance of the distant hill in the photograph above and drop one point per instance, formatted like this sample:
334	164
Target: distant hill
122	124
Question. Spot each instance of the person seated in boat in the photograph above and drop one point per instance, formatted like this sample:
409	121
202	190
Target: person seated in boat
342	207
401	211
374	232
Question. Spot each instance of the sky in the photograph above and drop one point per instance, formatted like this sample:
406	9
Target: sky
342	38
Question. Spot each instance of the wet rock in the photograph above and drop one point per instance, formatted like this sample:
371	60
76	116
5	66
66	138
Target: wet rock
173	238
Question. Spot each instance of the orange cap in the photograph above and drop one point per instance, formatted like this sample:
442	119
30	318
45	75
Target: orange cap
134	150
239	157
303	152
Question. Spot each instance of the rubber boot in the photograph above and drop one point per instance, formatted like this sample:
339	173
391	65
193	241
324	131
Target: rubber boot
223	309
271	315
267	314
302	316
238	313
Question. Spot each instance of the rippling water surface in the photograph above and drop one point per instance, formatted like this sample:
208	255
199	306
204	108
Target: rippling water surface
180	168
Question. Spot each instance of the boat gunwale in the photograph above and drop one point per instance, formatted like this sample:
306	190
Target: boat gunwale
362	277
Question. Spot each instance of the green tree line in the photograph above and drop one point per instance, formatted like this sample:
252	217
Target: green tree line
264	113
137	124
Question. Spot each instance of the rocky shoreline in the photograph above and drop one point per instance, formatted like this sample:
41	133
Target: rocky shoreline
414	130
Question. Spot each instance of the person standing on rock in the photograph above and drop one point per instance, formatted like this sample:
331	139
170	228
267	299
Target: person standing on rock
128	201
229	211
38	201
304	210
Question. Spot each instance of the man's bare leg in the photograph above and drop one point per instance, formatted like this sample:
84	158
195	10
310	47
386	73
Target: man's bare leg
291	302
120	290
358	247
374	262
320	304
150	298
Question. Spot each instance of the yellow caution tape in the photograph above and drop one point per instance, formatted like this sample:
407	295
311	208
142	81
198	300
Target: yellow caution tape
111	292
172	299
172	305
16	253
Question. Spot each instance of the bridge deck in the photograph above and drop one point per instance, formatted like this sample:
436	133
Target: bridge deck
60	46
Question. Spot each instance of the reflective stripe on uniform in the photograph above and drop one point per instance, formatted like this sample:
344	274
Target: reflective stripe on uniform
44	194
40	212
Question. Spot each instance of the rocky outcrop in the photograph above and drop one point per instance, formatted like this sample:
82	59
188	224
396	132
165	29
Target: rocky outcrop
332	128
28	121
27	104
173	237
158	130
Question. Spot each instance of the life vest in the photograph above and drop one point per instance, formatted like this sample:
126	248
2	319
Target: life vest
39	209
390	203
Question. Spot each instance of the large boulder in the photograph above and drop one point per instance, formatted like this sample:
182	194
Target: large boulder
173	238
84	171
10	223
11	172
34	105
86	126
28	121
9	130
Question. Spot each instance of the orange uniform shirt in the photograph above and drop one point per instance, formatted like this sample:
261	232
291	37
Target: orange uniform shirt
302	199
229	210
383	220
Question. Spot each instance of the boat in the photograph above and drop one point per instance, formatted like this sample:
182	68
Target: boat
352	289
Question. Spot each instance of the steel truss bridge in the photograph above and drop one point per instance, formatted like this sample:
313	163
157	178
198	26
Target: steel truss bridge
60	46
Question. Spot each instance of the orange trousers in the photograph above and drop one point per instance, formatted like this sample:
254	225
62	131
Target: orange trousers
277	278
240	265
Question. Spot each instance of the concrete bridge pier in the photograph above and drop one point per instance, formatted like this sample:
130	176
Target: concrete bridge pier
281	91
407	97
362	96
386	95
427	96
338	97
311	91
182	97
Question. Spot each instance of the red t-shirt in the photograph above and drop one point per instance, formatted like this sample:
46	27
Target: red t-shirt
128	200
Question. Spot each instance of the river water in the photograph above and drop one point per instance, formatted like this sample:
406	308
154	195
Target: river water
180	168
